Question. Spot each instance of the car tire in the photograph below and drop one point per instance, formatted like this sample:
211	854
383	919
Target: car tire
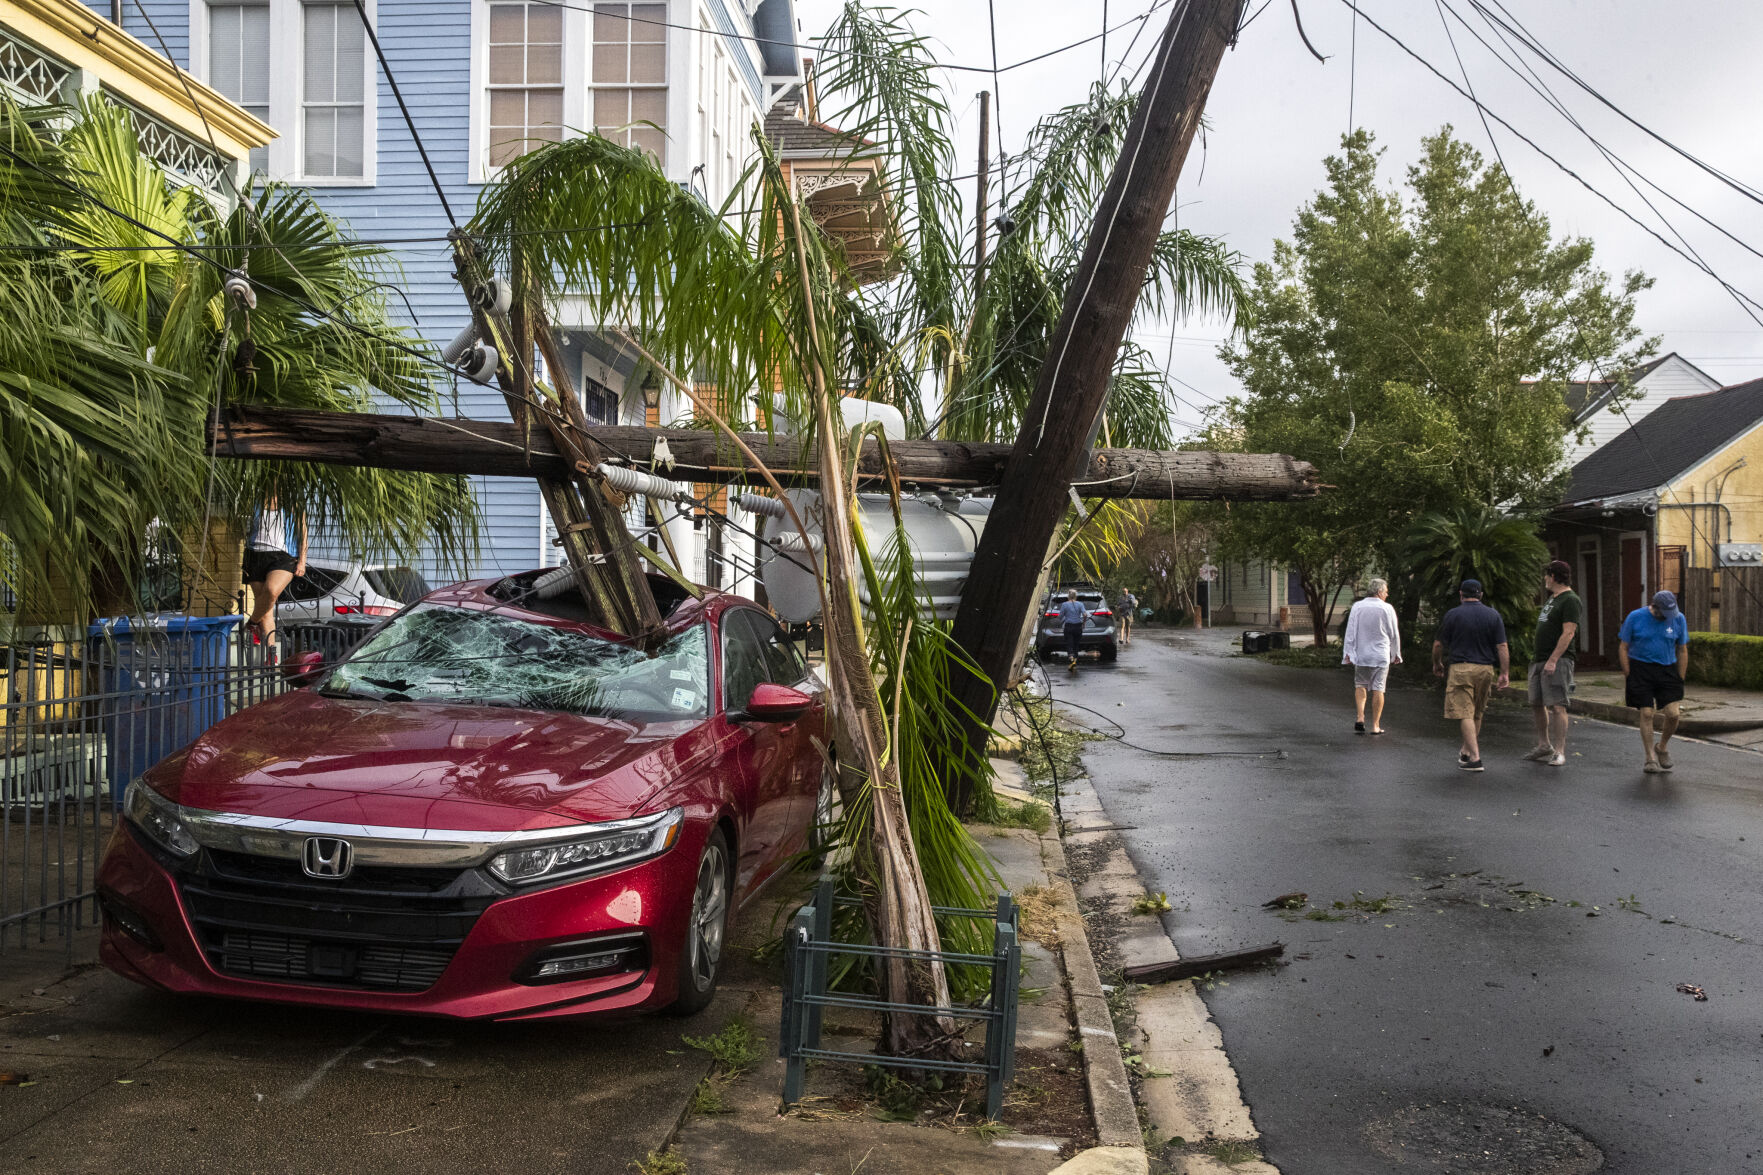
1109	652
827	809
700	954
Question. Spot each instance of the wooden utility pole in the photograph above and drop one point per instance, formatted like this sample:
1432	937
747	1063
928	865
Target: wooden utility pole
497	448
1073	384
600	550
981	195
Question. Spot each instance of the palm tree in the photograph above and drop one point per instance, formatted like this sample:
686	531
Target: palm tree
119	348
759	306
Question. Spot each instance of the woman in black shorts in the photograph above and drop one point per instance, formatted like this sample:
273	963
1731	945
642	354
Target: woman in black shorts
269	569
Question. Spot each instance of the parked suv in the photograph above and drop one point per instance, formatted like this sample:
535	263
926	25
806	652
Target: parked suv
1098	636
331	590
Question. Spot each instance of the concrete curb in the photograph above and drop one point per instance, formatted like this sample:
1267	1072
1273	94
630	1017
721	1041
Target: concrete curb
1613	712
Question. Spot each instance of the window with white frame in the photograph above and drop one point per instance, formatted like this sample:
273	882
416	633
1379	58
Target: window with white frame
702	94
630	75
731	134
525	79
238	61
323	107
333	97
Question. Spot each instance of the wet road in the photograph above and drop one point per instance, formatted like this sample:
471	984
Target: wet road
1484	1005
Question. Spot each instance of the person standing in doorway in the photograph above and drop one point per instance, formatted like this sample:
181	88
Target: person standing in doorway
1655	655
1072	614
1551	666
270	567
1474	637
1373	643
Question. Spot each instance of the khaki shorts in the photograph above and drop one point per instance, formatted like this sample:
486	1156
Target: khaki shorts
1466	690
1551	689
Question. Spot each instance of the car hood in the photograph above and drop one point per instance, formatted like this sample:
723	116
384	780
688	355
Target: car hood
422	765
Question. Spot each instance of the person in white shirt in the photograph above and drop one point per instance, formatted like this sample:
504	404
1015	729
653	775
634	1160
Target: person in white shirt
1371	646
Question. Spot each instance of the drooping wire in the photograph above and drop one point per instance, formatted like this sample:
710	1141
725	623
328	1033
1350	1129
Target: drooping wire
415	135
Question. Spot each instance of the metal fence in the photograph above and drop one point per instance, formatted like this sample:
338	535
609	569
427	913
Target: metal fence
81	717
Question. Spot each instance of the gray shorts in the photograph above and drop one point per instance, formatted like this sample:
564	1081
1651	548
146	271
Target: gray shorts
1371	677
1551	689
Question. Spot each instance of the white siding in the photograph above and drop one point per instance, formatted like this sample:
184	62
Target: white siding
1671	379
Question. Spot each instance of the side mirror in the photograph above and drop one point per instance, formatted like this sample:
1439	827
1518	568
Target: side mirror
303	668
776	703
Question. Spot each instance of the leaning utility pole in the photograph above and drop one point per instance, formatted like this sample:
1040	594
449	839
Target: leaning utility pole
981	196
1073	384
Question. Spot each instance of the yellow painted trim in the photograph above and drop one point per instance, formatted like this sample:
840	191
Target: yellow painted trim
68	30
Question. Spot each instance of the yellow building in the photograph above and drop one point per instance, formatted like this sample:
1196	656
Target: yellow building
58	51
1676	502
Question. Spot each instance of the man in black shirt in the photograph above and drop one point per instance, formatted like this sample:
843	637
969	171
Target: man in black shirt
1474	637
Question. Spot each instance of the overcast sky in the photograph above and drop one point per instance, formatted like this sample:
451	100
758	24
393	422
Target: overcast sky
1686	71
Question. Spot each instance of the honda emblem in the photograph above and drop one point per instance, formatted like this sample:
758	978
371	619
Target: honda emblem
328	857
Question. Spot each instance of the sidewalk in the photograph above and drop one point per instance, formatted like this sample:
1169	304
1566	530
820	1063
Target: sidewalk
1730	716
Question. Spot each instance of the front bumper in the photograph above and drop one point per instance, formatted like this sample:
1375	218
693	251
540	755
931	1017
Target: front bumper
467	947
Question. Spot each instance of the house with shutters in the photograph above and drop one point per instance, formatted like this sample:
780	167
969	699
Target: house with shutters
484	80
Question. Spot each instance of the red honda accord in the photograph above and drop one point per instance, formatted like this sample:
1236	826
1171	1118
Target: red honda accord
491	808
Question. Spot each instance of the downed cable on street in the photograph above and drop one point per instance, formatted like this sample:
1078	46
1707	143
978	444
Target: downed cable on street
1269	753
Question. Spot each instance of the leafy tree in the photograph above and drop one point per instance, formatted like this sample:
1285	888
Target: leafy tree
1414	345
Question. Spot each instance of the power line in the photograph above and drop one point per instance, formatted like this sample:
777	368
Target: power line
392	81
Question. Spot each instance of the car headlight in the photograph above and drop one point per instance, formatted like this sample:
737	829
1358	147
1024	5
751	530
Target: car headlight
157	818
600	847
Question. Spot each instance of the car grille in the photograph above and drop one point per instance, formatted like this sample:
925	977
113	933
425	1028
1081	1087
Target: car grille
383	929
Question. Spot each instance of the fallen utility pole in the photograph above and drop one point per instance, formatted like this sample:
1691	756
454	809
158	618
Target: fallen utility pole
1073	382
500	449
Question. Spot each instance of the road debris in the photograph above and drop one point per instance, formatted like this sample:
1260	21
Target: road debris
1693	992
1201	964
1286	901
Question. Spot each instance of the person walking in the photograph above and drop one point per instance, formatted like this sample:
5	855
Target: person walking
1473	636
269	567
1073	614
1373	643
1655	655
1551	666
1124	615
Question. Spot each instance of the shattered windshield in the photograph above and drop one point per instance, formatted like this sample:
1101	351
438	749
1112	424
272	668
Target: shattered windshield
437	653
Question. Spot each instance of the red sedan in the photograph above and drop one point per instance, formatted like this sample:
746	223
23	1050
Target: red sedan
491	808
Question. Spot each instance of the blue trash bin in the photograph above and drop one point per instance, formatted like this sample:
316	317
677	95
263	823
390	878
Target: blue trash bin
162	680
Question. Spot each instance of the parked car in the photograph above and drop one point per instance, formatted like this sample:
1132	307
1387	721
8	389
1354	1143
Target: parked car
1098	635
330	590
491	808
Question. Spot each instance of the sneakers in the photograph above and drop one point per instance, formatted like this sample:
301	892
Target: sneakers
1540	754
1557	760
1466	764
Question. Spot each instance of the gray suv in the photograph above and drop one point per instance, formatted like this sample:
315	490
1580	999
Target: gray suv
1098	636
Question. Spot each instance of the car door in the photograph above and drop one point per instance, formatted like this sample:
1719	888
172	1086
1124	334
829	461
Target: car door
804	759
759	756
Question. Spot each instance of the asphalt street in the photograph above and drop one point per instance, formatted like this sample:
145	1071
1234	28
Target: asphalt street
1517	992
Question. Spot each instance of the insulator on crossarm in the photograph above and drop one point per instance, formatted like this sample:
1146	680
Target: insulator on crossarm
647	485
760	504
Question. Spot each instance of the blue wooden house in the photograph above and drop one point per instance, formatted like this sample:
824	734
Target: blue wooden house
483	80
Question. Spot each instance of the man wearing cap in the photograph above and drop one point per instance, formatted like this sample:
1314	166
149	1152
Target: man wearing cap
1655	655
1073	614
1474	636
1551	666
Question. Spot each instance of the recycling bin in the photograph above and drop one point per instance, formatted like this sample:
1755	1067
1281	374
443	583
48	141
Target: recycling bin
162	681
1255	642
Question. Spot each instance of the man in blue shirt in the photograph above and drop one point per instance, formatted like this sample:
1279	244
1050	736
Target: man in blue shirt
1475	638
1072	614
1655	655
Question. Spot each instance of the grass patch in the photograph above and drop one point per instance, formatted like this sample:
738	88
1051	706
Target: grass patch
1231	1151
1304	657
1030	814
659	1163
735	1049
711	1096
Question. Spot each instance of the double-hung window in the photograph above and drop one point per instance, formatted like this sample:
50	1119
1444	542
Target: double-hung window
525	79
302	67
630	75
238	61
332	102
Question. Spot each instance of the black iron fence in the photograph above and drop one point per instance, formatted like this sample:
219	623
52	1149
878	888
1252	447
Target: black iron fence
84	714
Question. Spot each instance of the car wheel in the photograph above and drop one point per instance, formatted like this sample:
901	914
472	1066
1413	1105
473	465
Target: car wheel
822	834
700	956
1109	652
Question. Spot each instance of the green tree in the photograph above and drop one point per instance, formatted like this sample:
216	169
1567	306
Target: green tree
1414	345
1479	542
